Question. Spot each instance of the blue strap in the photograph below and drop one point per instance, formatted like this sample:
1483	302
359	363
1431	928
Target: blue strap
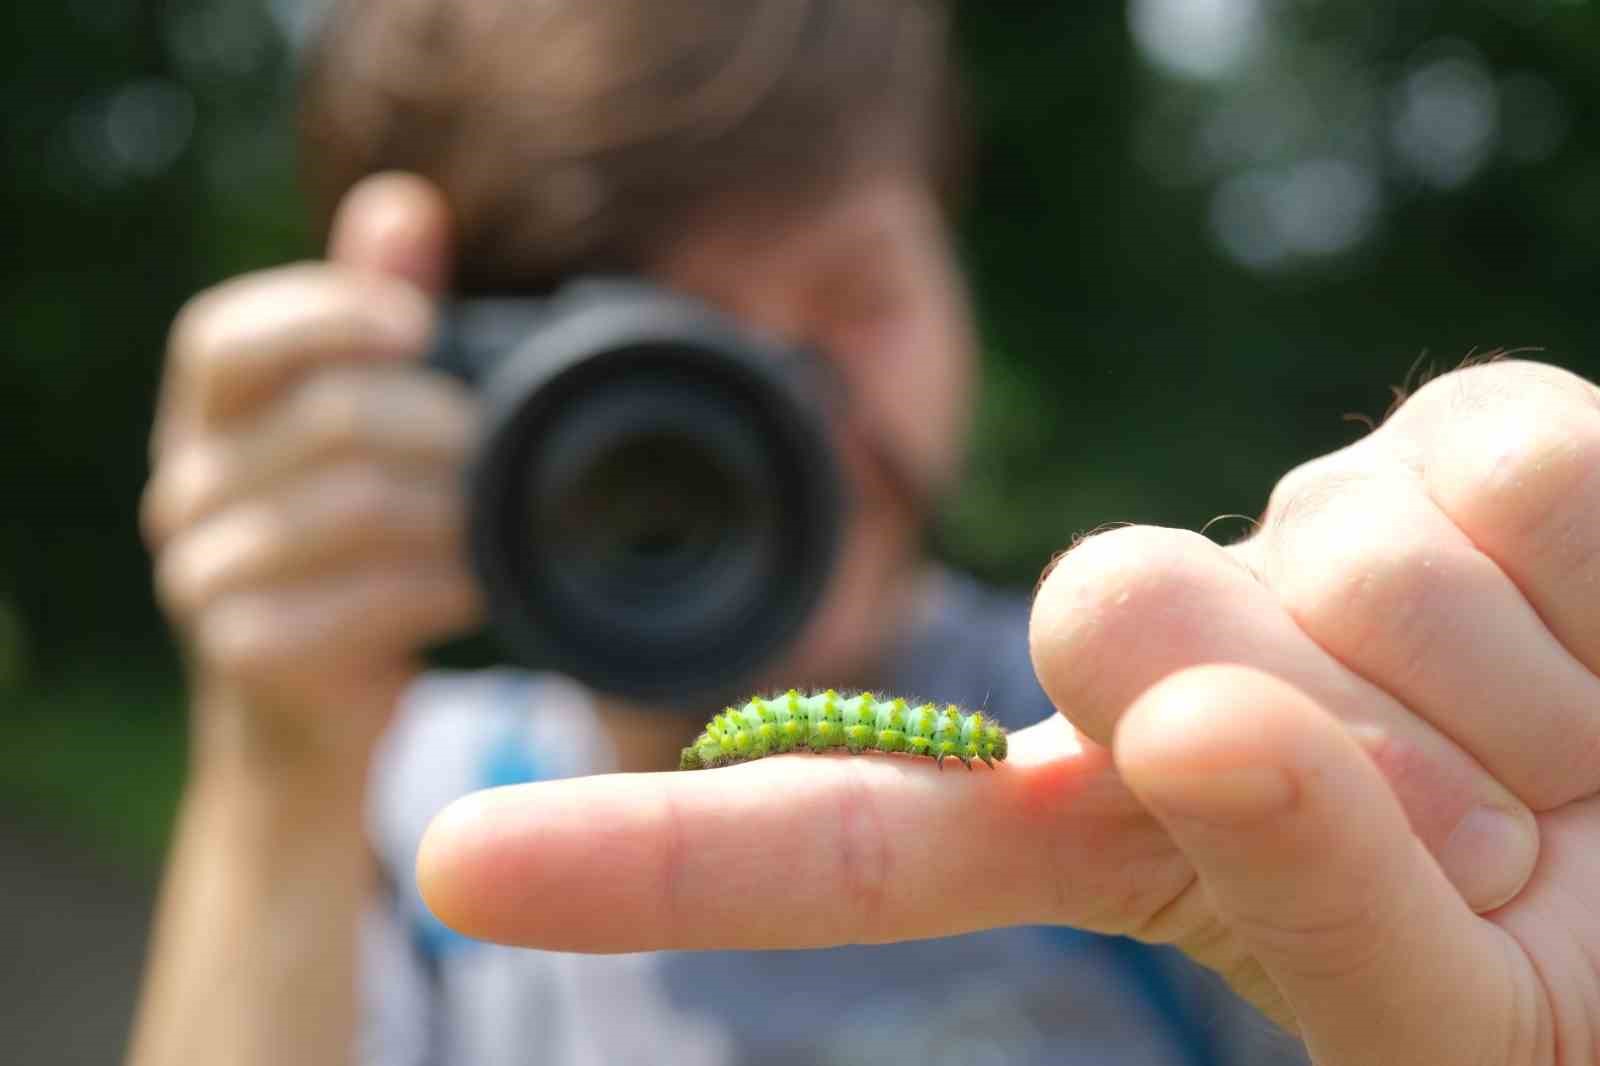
1150	972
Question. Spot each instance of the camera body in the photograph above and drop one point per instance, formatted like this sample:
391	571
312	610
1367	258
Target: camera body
654	504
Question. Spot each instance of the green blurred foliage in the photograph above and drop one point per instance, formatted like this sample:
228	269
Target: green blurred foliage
1192	264
147	157
1140	373
97	754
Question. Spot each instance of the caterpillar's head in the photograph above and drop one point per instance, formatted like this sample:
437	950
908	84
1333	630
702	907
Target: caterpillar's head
998	740
690	760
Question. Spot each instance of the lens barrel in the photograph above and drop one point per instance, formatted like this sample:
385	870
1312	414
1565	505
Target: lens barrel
654	504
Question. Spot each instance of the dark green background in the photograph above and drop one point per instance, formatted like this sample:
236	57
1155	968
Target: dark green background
1136	371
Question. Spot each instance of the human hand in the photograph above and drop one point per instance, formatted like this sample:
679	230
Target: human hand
304	508
1351	764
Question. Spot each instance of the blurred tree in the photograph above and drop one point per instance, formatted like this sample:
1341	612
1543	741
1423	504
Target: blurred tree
1202	230
144	160
1206	230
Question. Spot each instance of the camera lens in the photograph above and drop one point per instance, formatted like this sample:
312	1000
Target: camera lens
651	510
655	508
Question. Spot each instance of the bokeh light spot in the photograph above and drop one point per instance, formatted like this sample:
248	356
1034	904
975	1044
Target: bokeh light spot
1202	39
1446	120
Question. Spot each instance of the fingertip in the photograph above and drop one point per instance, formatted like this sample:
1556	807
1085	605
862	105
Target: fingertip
398	225
435	864
449	859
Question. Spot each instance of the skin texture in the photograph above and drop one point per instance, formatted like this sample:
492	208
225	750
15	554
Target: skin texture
1353	764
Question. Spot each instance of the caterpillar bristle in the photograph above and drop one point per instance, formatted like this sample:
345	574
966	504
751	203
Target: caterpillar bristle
853	722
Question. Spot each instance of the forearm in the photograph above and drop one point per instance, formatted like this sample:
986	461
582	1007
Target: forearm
253	958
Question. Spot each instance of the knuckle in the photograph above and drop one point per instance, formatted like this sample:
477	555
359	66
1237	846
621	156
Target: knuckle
864	860
1308	488
338	311
199	338
1382	594
1489	386
177	589
336	412
213	323
457	419
381	310
227	553
267	312
362	494
1519	470
1341	940
155	522
1362	582
180	491
672	865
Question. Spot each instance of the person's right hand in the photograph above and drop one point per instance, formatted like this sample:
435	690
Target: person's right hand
305	508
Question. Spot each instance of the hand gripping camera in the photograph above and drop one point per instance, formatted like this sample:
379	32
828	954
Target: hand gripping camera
654	505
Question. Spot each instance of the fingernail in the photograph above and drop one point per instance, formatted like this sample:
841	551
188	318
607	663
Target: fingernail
1227	797
1489	856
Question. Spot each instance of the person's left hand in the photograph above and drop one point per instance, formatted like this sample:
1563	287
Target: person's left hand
1351	763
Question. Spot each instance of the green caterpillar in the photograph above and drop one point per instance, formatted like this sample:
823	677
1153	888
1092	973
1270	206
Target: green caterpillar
826	721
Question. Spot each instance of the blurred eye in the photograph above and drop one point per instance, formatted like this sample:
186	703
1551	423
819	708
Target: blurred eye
856	306
865	299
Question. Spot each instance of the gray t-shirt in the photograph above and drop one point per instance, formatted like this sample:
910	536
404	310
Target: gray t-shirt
1007	997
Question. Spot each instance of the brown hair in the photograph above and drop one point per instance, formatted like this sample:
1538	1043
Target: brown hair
579	135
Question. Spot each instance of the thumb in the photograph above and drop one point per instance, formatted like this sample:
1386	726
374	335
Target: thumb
1306	856
398	225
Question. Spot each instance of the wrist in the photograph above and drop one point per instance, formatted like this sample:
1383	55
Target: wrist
278	743
275	808
255	943
279	852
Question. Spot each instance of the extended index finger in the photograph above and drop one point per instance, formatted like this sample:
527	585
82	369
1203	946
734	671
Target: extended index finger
802	851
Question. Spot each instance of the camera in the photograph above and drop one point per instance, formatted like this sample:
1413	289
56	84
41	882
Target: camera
654	503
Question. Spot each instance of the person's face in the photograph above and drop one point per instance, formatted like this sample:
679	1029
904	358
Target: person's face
868	279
